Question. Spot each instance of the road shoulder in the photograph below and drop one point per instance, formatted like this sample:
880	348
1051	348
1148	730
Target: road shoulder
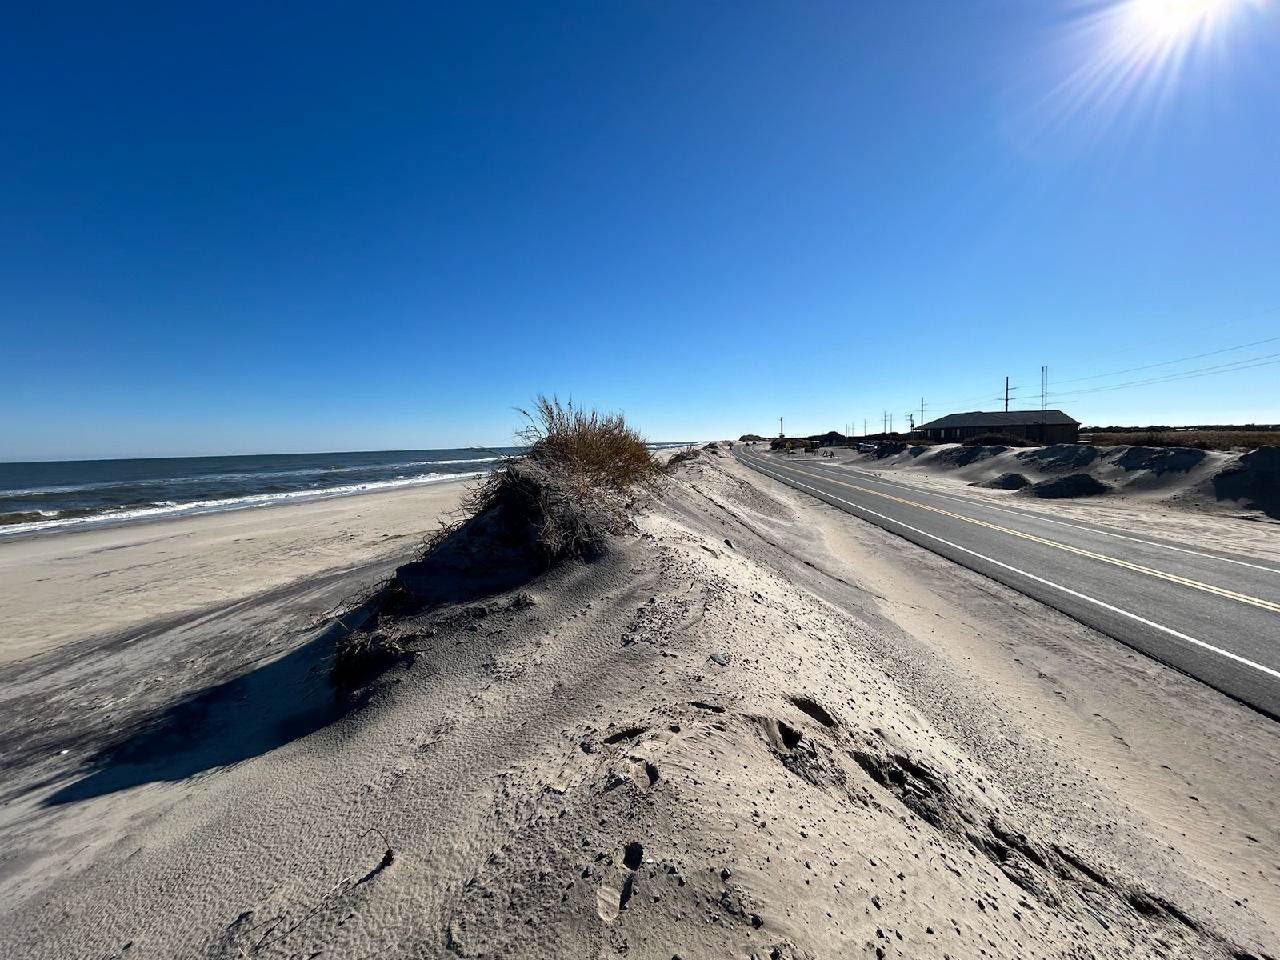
1200	768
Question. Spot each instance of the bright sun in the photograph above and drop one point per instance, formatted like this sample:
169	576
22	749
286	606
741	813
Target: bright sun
1141	50
1173	21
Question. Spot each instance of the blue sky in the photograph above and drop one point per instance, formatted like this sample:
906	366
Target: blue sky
245	228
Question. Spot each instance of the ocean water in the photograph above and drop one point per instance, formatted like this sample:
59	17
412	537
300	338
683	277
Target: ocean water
71	495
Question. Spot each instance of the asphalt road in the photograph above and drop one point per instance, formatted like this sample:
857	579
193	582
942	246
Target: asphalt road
1213	615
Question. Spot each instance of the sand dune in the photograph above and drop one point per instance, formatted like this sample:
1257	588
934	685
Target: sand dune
1177	504
1235	484
721	739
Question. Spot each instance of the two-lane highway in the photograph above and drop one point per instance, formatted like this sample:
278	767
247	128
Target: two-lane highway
1213	615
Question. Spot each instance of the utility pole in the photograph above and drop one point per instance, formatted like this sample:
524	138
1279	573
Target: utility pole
780	433
1006	394
891	423
922	411
864	426
1044	393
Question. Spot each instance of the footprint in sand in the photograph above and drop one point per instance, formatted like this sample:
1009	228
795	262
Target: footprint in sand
616	887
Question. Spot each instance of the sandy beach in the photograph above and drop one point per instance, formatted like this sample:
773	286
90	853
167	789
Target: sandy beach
60	588
756	725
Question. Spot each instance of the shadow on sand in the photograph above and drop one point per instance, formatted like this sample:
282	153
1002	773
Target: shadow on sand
250	715
526	521
1253	481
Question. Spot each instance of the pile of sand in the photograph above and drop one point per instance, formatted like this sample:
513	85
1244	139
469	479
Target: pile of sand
1006	481
1158	460
1072	485
1254	480
1060	457
1209	481
961	456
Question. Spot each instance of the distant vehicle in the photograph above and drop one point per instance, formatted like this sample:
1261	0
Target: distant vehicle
867	447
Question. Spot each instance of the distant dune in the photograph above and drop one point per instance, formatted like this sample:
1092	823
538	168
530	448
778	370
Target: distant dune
1184	477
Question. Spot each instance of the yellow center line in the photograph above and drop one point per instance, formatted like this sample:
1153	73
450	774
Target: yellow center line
1078	551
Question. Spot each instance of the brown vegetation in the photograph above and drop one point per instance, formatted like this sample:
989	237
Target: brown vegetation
997	440
1196	439
590	447
572	486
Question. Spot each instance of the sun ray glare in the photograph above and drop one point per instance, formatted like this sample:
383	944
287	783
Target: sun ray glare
1133	55
1164	21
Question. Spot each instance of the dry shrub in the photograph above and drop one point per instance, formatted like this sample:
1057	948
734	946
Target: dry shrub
360	656
590	447
575	485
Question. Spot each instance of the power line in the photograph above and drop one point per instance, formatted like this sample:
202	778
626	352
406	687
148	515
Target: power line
1147	366
977	398
1249	363
1228	367
1166	363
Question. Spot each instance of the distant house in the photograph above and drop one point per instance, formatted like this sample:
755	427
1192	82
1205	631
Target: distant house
1040	426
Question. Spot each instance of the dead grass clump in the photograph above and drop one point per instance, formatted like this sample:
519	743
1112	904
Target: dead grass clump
575	486
360	656
590	447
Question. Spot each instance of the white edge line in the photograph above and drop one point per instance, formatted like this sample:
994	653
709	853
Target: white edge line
1048	583
876	478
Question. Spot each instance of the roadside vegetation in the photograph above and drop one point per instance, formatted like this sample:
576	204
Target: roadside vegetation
1245	439
999	440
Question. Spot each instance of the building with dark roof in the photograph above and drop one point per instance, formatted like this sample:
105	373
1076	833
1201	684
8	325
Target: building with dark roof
1038	426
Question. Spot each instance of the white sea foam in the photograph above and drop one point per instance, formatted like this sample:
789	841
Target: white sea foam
242	475
167	509
422	463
